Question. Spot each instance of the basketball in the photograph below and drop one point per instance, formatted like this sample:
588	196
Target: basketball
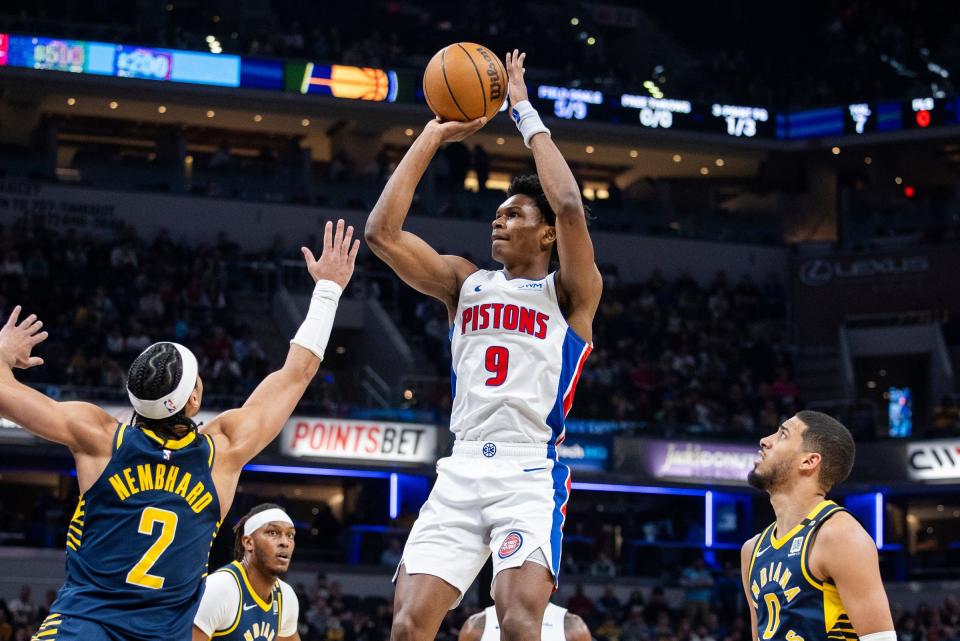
465	81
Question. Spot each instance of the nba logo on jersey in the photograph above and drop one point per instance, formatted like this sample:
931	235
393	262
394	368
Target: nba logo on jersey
795	545
166	455
510	545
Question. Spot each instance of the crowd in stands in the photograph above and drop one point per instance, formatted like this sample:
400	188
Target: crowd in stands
104	300
712	609
737	51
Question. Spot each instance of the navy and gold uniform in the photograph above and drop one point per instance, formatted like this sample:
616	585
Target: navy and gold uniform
790	602
139	542
237	613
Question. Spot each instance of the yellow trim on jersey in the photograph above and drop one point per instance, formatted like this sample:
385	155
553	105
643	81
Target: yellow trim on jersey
777	542
806	545
756	548
236	622
279	606
256	597
120	431
212	450
170	444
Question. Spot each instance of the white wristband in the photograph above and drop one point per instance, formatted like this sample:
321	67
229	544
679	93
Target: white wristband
528	121
315	330
886	635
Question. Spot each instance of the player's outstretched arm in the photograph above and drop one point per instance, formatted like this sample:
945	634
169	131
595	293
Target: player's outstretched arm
578	277
247	430
472	629
84	428
746	553
845	553
414	261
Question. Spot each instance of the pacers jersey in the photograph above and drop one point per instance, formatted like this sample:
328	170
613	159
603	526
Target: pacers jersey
139	540
791	604
552	629
255	619
515	361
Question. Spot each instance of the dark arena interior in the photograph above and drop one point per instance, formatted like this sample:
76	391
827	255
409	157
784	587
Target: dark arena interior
771	194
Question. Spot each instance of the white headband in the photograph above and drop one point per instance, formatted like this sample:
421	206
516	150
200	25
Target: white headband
177	399
258	520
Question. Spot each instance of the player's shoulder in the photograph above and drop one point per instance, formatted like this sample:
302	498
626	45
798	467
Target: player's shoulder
746	550
575	628
841	530
221	584
287	591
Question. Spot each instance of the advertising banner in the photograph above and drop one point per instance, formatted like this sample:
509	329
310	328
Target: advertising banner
368	442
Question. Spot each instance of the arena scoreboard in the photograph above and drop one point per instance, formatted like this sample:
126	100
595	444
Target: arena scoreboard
579	103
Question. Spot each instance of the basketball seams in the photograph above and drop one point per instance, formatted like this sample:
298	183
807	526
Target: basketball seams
483	91
443	69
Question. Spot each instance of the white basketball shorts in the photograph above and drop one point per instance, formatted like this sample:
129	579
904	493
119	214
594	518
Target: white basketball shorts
504	499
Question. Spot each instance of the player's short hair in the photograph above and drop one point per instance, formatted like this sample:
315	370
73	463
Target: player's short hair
154	374
529	185
238	528
833	441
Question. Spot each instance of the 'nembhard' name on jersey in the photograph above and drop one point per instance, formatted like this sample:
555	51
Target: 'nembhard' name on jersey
160	477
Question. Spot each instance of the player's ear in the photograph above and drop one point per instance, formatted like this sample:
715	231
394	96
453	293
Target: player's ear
810	461
549	236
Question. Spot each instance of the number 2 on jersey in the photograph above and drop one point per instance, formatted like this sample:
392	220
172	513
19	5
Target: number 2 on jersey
168	529
497	361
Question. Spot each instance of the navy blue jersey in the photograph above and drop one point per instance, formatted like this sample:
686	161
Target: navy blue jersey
139	540
255	618
790	602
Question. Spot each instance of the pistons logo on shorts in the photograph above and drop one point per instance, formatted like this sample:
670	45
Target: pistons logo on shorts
510	545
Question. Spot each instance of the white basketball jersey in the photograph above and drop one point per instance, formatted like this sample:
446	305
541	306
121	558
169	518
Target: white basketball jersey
552	629
515	361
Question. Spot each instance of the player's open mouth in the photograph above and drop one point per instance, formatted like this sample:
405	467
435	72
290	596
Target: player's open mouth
283	557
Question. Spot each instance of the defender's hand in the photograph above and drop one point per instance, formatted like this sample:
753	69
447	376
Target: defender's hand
18	339
516	87
452	130
338	257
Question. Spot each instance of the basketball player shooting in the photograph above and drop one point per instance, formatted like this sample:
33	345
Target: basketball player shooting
153	493
519	338
813	573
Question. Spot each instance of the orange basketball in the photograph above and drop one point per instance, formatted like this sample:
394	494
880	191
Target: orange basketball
465	81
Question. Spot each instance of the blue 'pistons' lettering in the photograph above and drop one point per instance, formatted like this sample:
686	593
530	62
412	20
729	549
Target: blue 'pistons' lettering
512	318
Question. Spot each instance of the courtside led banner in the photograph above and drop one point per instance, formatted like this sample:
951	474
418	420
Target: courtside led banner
371	442
4	46
934	460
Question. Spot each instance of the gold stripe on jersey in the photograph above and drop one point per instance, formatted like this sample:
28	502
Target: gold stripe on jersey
120	432
170	443
253	593
212	450
236	622
75	528
804	560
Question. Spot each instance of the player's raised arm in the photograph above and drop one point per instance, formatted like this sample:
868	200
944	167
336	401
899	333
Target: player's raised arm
414	261
250	428
845	553
578	277
84	428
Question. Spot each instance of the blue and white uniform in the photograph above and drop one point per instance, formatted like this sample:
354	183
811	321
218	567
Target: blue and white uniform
515	366
231	610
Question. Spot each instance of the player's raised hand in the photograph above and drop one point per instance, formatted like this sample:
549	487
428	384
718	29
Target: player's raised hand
516	87
18	338
453	130
338	257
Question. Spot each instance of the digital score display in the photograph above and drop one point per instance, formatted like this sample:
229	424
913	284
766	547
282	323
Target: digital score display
569	103
923	113
656	113
740	121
